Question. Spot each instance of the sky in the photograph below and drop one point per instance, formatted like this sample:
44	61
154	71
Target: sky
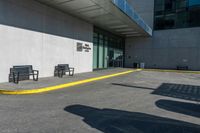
194	2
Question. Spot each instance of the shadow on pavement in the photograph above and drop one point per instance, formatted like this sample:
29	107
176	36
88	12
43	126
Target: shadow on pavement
132	86
181	91
117	121
180	107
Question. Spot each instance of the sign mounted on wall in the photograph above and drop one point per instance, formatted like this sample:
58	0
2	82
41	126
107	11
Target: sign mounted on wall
81	47
87	48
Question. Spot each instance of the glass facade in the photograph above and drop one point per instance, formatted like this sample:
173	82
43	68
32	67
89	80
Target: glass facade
108	50
170	14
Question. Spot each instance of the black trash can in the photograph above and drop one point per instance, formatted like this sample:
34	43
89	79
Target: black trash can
136	65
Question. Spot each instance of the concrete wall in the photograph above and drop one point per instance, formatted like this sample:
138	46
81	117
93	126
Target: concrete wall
32	33
167	48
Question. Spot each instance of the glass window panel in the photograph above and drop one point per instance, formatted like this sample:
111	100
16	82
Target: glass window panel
181	4
100	52
176	14
95	40
159	13
170	6
95	52
95	35
159	4
194	15
182	19
170	21
100	36
194	2
159	23
106	54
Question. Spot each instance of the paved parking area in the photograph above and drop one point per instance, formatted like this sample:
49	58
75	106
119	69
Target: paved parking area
140	102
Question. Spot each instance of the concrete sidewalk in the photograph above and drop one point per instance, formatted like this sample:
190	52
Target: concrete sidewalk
52	81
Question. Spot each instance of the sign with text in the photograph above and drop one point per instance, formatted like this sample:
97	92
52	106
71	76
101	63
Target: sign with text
81	47
87	48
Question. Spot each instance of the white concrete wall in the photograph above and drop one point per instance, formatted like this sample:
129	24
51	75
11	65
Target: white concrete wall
32	33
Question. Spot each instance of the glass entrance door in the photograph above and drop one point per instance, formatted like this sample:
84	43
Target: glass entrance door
116	52
115	58
111	58
107	50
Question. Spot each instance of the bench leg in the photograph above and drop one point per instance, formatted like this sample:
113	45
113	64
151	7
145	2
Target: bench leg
35	78
60	73
57	73
15	78
71	72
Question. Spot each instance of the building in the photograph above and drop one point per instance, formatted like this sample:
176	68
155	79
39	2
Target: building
98	34
175	39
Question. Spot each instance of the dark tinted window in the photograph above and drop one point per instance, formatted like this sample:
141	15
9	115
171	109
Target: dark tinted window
171	14
194	2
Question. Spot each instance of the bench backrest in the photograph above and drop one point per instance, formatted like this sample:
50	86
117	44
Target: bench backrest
21	70
64	66
29	67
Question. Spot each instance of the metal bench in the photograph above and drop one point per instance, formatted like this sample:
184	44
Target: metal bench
19	73
61	70
182	68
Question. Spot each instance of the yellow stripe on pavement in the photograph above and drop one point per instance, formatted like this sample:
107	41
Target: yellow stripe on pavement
177	71
62	86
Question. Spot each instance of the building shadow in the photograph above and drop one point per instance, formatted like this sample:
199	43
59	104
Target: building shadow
117	121
180	107
181	91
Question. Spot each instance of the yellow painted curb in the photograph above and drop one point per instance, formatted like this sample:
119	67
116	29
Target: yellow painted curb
176	71
62	86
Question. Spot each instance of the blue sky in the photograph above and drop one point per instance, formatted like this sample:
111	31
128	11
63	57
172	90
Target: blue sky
194	2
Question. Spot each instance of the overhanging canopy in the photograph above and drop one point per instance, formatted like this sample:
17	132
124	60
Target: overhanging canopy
116	16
